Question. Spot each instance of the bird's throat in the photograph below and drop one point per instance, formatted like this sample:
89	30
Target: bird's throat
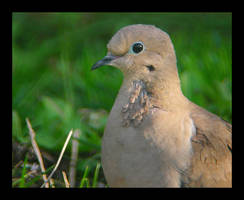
138	105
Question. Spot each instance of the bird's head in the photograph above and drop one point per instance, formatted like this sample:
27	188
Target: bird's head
141	52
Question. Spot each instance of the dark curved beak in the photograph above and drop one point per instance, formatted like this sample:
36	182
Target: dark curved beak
106	60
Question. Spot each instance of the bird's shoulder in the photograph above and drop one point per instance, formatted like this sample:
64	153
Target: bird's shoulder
211	130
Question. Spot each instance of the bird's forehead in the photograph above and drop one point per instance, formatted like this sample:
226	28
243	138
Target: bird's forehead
125	37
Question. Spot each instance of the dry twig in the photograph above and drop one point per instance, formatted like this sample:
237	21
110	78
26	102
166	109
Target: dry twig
60	157
67	185
37	151
74	157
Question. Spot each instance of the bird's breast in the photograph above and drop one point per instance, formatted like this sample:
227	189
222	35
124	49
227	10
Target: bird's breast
131	156
141	141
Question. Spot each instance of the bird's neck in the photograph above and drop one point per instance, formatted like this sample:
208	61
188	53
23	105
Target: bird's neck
167	94
139	97
162	92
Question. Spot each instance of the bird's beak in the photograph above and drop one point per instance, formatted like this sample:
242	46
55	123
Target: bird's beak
105	61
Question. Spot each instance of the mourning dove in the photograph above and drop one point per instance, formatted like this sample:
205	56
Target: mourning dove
155	136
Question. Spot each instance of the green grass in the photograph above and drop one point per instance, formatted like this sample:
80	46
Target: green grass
54	87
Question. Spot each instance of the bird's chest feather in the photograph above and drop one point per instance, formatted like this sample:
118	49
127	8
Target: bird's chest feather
145	141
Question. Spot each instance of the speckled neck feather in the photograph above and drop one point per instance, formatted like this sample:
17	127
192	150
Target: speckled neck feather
138	105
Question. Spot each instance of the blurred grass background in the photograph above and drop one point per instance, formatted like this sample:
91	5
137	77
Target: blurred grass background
53	86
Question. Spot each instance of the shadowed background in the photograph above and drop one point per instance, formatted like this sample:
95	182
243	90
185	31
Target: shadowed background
53	86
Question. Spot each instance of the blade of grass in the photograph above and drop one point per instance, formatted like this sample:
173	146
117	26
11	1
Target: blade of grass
24	176
83	180
35	179
16	182
16	167
22	179
95	177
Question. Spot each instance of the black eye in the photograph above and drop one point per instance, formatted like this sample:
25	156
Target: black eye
137	47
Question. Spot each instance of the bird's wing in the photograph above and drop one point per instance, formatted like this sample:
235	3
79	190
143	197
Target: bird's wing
211	164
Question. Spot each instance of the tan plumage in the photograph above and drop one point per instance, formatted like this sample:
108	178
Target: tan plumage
212	146
156	137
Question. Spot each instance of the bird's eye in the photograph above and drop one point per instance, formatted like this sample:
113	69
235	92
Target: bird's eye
137	47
